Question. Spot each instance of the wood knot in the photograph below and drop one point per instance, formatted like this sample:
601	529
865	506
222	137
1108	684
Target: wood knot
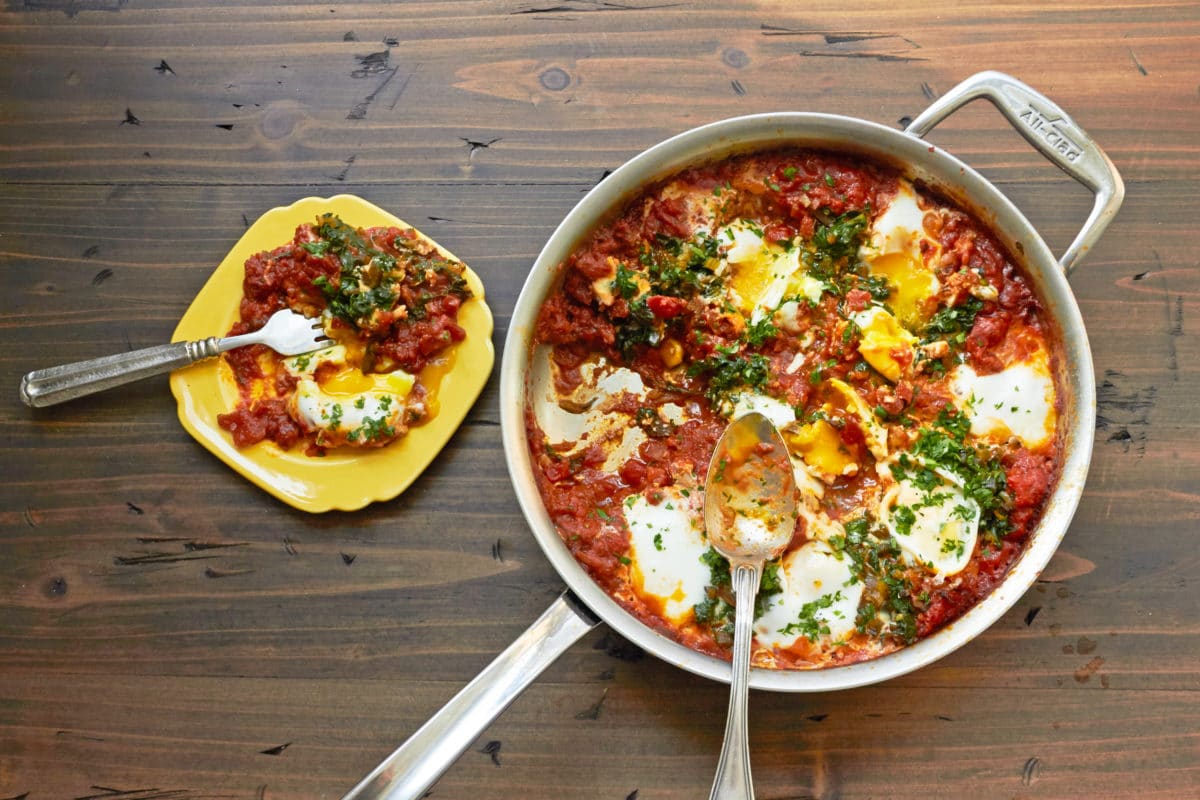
734	57
555	79
279	121
56	587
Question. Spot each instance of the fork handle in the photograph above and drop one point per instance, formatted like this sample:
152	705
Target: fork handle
47	387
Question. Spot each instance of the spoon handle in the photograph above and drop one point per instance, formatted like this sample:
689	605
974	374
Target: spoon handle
732	781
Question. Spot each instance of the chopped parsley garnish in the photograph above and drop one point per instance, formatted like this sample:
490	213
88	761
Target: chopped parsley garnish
955	546
670	267
809	625
370	280
904	517
878	286
718	567
875	561
817	374
679	268
759	332
714	612
953	324
640	327
842	236
625	283
374	429
944	444
728	371
831	256
656	427
769	585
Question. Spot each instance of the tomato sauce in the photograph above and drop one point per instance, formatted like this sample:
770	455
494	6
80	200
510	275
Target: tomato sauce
762	278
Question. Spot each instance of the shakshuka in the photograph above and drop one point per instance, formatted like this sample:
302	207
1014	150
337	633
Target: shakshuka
885	331
389	301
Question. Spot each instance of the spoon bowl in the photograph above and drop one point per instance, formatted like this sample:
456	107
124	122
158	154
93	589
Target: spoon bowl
749	517
750	491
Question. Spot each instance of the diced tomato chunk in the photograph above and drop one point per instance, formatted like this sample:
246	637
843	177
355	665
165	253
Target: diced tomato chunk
857	299
665	307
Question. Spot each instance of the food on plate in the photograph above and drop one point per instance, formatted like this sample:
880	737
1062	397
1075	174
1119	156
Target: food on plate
899	347
387	298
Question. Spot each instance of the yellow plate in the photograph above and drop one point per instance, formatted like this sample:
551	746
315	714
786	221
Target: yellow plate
345	478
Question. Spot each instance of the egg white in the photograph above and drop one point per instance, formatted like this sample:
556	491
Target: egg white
808	575
1017	401
945	523
573	422
350	415
808	484
666	541
306	365
560	416
347	416
874	431
779	412
899	228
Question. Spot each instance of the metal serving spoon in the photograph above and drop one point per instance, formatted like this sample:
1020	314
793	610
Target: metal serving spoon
749	516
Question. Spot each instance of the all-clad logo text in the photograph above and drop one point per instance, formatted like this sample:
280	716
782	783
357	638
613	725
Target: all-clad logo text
1048	129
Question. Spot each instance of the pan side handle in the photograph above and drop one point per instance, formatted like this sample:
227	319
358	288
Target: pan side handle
1048	128
414	766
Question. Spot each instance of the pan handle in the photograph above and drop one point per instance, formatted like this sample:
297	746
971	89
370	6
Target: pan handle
418	763
1048	128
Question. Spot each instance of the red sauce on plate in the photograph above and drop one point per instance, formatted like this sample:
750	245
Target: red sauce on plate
387	297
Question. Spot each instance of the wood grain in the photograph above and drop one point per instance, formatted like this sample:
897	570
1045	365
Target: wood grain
167	630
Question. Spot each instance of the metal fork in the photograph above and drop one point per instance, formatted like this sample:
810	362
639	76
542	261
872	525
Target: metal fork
286	332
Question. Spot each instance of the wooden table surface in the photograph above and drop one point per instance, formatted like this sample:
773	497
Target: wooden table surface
168	630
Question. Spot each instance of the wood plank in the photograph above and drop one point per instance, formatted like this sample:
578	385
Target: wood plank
465	73
857	744
167	630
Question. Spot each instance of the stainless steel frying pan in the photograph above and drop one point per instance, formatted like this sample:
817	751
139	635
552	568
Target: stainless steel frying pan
412	768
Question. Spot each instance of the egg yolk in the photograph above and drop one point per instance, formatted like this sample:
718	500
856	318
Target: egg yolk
882	341
913	284
349	381
263	389
749	278
875	433
822	449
